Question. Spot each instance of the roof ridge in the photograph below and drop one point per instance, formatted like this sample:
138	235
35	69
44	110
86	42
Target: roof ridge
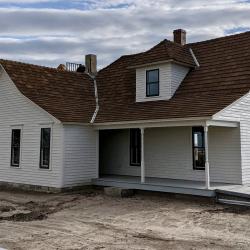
168	49
37	66
131	55
219	38
26	63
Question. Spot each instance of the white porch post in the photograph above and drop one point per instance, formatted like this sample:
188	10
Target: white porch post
142	157
206	157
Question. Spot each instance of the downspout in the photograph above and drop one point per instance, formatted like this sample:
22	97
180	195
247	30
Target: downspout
1	70
96	99
194	58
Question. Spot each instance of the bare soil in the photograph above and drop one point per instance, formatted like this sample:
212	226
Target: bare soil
91	220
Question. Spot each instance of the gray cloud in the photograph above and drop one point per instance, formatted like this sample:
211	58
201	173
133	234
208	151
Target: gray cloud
49	36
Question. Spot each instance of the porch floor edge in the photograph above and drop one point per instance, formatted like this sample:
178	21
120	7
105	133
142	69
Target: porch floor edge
154	187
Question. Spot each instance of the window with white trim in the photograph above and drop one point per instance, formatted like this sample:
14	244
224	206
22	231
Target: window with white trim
135	147
198	148
152	82
45	148
15	147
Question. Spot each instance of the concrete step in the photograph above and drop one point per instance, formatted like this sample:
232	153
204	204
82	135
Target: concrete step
232	198
118	192
234	202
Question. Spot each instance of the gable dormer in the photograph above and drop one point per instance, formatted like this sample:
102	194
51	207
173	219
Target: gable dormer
160	70
159	82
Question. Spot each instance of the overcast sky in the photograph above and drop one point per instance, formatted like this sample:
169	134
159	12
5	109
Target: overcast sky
50	32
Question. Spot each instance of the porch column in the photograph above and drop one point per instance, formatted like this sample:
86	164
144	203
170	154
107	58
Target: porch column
206	157
142	157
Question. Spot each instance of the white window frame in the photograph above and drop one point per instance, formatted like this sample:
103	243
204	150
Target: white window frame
13	127
51	144
148	83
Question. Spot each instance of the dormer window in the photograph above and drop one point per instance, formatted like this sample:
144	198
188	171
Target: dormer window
152	82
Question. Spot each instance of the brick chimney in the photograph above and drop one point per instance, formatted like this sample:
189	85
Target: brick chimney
91	64
180	36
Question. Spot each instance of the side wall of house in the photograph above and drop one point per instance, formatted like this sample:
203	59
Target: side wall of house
178	73
17	111
80	155
168	154
240	111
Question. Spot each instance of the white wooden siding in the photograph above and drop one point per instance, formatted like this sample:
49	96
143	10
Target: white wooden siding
178	73
17	110
80	155
168	154
240	111
170	77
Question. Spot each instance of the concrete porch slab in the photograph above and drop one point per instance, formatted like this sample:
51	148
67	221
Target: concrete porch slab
159	184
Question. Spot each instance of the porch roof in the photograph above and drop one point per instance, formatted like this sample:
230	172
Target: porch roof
201	121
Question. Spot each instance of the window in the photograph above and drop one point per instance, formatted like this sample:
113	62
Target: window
15	147
152	82
198	148
135	147
45	148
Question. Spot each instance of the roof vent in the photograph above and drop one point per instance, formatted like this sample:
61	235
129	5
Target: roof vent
180	36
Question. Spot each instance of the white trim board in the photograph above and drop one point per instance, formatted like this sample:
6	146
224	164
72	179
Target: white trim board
170	123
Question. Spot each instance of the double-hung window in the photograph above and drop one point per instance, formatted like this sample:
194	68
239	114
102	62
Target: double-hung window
45	148
152	82
198	148
135	147
15	147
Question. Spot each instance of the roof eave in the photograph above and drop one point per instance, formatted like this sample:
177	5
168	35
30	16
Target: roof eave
189	121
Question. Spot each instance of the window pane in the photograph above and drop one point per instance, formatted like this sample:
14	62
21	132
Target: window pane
45	147
198	148
15	156
199	158
153	89
153	76
198	135
16	137
15	147
45	156
46	137
135	147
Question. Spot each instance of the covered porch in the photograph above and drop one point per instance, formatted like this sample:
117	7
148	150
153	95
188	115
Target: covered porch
167	155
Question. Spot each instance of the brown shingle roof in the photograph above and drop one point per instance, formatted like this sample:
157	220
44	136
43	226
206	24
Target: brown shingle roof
68	96
223	77
165	50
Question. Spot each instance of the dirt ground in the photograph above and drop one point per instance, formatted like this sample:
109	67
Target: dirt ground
91	220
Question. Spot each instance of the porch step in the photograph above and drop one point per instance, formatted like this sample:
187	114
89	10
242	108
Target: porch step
234	202
118	192
233	197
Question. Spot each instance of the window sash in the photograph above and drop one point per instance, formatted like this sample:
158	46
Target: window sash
45	148
149	84
198	148
15	147
150	89
135	147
